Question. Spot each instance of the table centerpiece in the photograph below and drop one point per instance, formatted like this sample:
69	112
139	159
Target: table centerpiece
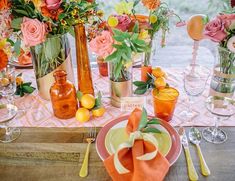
119	41
221	30
43	26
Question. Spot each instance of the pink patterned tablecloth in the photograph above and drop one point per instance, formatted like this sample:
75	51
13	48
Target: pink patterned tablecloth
39	112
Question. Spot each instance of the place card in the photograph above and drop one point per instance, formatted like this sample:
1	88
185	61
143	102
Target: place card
130	103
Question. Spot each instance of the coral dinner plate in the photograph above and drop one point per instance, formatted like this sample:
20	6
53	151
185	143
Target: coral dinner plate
103	147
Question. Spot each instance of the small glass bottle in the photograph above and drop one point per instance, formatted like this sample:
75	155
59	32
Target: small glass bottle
63	96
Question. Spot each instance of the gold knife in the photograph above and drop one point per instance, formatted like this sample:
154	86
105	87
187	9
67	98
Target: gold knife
191	169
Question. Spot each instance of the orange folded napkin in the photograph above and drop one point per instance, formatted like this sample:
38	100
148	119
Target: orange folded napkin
137	159
24	58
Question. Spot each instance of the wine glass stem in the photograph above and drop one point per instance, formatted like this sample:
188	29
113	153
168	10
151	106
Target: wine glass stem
8	132
10	99
190	104
215	130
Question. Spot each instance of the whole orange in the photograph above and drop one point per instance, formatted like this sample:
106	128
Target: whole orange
19	80
158	72
83	115
88	101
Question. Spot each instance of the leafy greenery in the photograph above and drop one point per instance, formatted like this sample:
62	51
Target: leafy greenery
145	125
24	88
142	86
127	44
71	14
50	54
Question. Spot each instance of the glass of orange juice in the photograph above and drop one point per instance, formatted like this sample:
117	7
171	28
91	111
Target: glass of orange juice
164	101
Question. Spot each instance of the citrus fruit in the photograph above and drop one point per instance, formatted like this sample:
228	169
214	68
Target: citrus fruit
167	93
83	115
195	26
4	81
153	19
158	72
160	82
112	21
98	112
88	101
19	80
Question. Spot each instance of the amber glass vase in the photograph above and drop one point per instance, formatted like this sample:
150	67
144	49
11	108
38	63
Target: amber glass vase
63	96
83	64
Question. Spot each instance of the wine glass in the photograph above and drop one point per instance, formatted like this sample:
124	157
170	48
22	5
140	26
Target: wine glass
222	108
195	79
8	110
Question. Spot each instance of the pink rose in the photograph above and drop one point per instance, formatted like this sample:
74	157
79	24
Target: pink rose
53	4
215	30
34	32
102	44
123	22
228	19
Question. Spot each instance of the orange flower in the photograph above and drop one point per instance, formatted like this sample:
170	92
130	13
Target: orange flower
54	14
3	59
151	4
3	4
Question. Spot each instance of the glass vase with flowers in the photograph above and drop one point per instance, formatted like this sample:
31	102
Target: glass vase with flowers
221	30
43	26
118	47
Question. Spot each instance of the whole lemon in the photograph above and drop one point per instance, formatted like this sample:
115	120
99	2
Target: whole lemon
98	112
87	101
83	115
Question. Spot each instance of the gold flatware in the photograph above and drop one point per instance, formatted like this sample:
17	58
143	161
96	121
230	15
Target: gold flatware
191	169
91	138
195	138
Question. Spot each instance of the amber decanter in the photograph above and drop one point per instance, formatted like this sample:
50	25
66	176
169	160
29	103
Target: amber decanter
63	96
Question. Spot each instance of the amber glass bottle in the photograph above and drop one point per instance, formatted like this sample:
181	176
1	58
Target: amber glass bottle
63	96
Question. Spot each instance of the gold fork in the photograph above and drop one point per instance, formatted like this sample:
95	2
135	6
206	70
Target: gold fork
91	138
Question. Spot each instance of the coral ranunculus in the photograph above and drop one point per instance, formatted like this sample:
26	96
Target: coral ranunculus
3	4
3	59
54	14
151	4
53	4
102	44
34	31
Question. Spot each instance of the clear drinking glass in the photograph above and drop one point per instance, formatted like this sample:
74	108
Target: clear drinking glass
195	79
7	109
222	108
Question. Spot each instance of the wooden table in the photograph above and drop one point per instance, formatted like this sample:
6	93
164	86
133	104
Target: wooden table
56	154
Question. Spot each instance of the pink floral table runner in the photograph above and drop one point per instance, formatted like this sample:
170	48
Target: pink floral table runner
36	112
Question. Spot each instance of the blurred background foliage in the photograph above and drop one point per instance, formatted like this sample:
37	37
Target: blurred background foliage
184	8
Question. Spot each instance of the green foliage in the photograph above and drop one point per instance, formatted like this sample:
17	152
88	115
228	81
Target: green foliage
98	101
17	46
79	95
24	88
142	87
145	125
72	13
127	44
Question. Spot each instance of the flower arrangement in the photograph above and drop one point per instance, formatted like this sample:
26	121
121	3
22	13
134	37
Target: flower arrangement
221	30
36	21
